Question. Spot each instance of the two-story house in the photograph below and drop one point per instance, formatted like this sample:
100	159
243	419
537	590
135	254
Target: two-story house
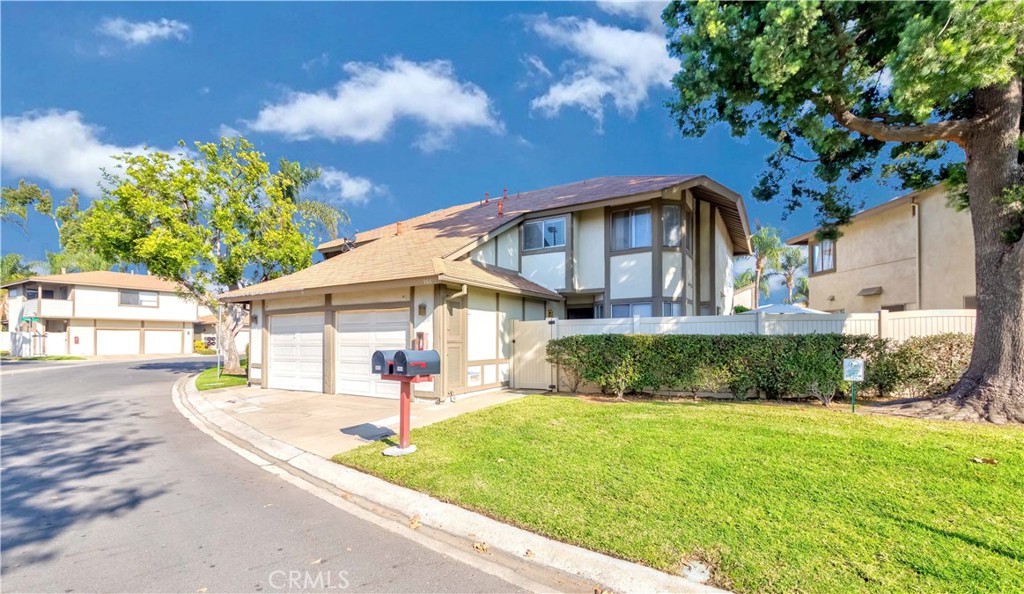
912	252
455	279
98	313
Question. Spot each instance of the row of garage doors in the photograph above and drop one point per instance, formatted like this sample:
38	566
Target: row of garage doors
295	356
126	342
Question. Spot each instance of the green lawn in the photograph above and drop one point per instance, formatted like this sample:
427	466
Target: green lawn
775	498
208	379
46	358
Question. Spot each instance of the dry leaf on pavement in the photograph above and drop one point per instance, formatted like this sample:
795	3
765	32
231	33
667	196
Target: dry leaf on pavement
481	547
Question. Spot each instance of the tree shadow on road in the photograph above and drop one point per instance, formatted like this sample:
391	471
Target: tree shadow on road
55	466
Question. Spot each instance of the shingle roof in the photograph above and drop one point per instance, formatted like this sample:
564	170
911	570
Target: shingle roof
103	278
407	250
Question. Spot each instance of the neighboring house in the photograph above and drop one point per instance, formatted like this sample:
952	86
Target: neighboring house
98	313
206	330
912	252
455	279
743	297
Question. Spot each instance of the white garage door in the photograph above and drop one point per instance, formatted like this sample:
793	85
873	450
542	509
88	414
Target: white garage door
163	342
297	352
359	335
117	342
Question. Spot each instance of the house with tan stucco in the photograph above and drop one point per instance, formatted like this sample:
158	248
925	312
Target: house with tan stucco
99	313
454	280
912	252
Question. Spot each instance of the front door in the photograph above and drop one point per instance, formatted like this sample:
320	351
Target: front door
455	344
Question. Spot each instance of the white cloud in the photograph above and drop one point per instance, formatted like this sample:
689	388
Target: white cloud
535	65
320	61
225	130
612	64
143	32
59	148
648	12
348	188
365	106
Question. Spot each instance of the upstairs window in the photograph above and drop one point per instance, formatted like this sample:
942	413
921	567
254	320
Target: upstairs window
631	229
823	256
549	233
672	228
138	298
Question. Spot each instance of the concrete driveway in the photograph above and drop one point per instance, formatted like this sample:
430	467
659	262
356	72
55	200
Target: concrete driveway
327	424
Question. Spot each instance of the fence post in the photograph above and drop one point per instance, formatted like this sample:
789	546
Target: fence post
883	323
636	324
760	322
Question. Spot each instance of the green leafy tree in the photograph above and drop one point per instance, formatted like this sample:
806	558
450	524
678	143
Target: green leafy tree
13	268
835	84
211	222
748	277
15	202
791	264
767	252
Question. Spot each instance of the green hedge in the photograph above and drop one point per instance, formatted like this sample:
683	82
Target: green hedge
772	366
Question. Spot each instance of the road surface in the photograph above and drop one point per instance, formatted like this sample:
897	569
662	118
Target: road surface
107	488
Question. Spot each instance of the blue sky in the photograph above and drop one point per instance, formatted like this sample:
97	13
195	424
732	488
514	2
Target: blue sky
408	107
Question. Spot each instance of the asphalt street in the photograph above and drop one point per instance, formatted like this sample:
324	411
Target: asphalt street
107	488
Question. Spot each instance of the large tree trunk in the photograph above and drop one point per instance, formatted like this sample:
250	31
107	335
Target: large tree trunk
231	322
993	387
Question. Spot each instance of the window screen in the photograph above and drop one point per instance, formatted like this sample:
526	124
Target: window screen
671	226
544	234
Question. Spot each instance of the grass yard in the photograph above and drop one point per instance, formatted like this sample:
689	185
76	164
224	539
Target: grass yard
774	498
46	358
208	380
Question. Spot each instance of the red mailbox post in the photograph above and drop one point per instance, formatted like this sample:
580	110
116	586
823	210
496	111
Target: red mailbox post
407	368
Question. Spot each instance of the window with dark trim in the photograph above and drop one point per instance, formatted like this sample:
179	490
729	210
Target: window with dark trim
138	298
671	309
672	227
823	256
547	233
628	310
631	229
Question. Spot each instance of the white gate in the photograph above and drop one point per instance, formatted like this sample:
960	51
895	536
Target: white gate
530	369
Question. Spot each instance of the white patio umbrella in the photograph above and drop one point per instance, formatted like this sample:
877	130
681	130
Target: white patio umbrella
783	308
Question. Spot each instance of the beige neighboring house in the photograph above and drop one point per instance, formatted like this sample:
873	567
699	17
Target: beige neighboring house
98	313
455	279
912	252
743	297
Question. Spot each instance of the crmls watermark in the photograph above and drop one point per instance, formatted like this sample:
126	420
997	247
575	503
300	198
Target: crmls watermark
303	579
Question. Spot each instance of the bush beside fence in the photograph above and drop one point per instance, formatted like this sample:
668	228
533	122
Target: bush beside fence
781	366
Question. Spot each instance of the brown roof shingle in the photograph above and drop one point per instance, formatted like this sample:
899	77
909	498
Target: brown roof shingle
103	278
388	254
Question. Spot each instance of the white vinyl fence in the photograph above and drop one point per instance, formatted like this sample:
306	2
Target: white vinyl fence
531	371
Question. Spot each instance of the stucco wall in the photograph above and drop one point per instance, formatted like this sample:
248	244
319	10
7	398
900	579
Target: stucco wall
723	267
947	254
631	276
547	270
486	253
103	302
588	249
508	249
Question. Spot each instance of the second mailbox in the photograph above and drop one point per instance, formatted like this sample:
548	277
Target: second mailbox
383	362
409	363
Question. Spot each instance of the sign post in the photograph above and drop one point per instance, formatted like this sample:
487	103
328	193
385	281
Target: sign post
853	371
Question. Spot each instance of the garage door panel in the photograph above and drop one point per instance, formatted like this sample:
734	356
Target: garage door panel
359	335
117	342
162	342
296	352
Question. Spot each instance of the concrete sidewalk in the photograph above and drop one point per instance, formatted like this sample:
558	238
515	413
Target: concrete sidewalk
326	425
282	432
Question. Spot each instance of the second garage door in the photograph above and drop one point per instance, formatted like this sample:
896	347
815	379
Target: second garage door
163	342
359	335
296	352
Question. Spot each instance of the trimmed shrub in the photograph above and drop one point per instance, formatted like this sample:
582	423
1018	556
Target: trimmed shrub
760	366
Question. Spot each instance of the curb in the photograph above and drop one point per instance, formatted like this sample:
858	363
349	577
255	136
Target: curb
452	529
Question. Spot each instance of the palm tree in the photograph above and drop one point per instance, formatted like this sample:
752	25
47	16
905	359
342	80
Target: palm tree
13	267
767	258
320	213
801	291
74	260
793	260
